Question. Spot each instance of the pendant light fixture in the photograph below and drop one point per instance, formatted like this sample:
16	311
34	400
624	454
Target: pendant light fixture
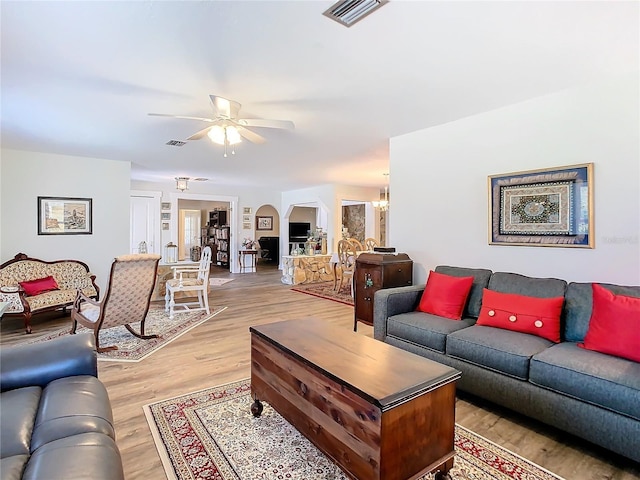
383	204
182	183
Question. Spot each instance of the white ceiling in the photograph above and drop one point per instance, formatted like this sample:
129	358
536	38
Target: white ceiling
79	78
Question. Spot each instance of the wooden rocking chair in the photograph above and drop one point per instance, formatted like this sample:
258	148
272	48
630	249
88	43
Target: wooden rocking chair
131	283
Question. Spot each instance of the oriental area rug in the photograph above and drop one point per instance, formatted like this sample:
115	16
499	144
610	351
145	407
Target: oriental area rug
211	434
325	290
134	349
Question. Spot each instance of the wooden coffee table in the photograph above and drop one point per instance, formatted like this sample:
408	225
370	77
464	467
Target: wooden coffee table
378	411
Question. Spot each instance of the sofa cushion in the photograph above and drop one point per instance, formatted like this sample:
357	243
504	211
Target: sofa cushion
78	457
531	286
425	329
12	467
18	412
72	405
521	313
603	380
481	278
445	295
614	327
578	303
496	349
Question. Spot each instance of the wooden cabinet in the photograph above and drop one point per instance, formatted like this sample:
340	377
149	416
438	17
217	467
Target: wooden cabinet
373	272
222	246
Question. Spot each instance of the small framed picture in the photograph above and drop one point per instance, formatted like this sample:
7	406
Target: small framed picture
246	225
165	226
264	223
166	216
166	205
246	218
246	210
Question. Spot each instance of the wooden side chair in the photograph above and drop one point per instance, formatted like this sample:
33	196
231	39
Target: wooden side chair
356	244
190	279
370	244
347	263
131	283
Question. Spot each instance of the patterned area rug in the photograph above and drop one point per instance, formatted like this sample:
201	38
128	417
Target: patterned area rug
211	434
325	290
134	349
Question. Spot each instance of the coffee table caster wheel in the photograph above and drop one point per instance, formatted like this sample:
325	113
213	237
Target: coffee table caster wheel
256	408
441	476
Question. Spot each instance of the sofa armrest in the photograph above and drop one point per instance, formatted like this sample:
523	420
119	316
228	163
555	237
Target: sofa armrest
40	363
393	301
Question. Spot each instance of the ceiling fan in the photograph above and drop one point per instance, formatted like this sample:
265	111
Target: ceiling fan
226	127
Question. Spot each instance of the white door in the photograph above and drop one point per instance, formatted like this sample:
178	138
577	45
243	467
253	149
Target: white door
144	218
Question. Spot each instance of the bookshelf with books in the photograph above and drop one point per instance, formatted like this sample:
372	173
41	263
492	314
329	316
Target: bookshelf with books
222	245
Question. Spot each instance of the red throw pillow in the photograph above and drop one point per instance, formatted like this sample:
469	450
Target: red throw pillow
614	327
445	295
41	285
533	315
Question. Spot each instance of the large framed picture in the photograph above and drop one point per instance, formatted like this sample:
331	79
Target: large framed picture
64	216
264	223
547	207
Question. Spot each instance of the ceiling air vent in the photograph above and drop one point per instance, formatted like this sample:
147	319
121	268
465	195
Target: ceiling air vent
175	143
348	12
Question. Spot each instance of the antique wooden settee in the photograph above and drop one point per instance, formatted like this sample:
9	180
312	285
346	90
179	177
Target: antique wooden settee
31	285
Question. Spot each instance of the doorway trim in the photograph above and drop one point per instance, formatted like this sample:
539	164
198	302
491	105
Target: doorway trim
232	201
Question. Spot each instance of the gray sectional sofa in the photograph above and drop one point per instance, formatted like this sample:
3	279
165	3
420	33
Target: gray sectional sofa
586	393
55	414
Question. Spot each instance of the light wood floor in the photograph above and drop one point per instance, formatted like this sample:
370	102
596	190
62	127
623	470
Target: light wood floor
217	352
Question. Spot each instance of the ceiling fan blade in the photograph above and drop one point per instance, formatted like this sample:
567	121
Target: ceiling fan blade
181	116
200	134
251	136
223	107
262	122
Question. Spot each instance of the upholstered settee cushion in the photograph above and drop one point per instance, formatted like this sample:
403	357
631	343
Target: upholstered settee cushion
496	349
578	303
17	414
72	405
614	327
481	278
445	295
603	380
424	329
87	455
12	467
521	313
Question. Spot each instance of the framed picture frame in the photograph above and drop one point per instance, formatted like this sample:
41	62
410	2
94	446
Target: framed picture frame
264	223
65	216
165	226
246	225
246	218
166	215
550	207
246	210
165	205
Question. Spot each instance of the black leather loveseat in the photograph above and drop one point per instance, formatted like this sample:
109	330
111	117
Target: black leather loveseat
55	415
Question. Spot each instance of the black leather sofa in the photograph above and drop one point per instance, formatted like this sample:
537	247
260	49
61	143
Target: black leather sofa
55	415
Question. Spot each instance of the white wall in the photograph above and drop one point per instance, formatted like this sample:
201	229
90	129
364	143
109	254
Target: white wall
439	182
27	175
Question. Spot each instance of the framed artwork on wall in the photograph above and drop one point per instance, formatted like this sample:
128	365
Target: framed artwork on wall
246	225
166	215
165	226
264	223
246	218
546	207
65	216
246	210
166	205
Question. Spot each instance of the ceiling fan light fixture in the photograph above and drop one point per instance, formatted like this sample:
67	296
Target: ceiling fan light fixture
224	135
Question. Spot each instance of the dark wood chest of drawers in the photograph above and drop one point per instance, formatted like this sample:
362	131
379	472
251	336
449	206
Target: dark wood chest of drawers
373	272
